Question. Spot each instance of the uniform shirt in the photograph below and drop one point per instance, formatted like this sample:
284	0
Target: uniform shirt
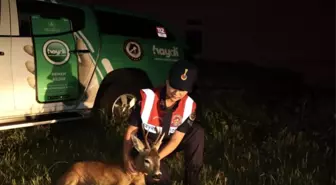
165	115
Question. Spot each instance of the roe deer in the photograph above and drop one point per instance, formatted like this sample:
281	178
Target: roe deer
147	162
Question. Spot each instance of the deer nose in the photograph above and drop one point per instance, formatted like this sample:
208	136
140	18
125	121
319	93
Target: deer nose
157	175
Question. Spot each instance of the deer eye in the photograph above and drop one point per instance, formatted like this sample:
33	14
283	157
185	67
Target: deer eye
147	161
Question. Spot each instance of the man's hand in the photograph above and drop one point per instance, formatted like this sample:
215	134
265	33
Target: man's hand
86	68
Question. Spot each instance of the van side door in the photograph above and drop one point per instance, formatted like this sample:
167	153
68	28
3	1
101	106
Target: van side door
51	40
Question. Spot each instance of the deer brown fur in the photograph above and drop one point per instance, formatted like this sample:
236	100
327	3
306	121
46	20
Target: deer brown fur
147	162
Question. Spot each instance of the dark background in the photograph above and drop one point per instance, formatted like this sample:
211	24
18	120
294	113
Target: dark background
297	35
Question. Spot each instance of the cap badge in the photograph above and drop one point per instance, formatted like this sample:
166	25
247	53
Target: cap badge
184	75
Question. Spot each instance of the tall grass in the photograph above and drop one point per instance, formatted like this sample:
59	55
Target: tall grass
243	146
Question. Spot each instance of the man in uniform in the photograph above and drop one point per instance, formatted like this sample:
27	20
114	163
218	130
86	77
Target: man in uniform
170	109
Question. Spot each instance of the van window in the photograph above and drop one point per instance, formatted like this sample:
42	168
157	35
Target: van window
129	26
26	8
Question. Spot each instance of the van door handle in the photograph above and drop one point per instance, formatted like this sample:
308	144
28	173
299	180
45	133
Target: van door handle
80	51
2	53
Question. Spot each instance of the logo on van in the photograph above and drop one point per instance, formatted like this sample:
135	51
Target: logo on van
133	50
56	52
166	53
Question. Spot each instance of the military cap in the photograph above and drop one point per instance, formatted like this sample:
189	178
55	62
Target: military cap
183	75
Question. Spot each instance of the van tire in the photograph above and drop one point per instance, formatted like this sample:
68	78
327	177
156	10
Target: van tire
110	94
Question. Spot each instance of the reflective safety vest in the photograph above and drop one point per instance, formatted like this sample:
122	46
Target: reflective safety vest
150	107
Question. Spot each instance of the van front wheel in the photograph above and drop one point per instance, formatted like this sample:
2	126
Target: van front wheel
117	101
122	107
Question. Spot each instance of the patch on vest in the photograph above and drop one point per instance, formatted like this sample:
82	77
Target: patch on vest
192	116
176	120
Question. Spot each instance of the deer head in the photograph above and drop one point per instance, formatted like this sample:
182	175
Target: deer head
148	160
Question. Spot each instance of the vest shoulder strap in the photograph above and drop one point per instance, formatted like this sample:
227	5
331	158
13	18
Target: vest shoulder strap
148	96
189	106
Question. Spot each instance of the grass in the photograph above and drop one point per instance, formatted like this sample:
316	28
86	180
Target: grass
244	145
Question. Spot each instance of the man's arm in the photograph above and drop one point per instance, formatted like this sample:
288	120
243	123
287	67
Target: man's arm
177	137
172	144
132	128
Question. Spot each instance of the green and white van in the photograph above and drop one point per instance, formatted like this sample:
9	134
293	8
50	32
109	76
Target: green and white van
59	61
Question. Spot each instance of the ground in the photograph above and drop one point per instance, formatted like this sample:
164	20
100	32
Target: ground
251	139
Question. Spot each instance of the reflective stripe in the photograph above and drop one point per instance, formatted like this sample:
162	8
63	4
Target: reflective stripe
172	130
151	128
147	109
187	109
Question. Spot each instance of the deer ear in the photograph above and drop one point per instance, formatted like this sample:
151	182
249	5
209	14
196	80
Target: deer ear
137	143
